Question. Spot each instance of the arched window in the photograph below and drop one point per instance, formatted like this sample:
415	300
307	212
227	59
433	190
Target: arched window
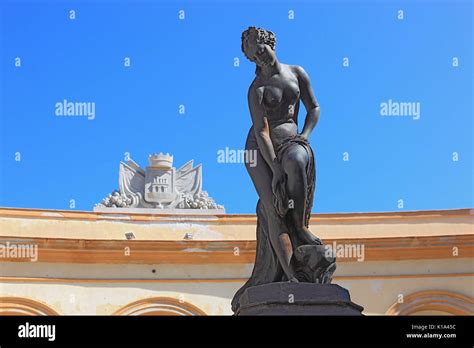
433	302
159	306
23	306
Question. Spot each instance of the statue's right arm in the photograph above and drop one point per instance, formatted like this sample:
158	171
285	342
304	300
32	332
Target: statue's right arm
261	129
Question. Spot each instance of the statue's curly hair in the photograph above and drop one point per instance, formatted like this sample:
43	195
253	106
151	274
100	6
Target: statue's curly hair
263	36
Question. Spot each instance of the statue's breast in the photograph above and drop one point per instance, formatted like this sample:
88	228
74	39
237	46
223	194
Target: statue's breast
272	97
276	96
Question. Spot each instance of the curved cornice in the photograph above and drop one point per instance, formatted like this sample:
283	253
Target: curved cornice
24	306
159	306
433	300
225	218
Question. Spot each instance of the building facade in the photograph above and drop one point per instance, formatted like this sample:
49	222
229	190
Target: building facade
56	262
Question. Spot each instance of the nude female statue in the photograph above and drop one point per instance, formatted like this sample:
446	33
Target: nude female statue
284	176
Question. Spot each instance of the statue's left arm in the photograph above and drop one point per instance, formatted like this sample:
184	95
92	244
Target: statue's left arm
309	101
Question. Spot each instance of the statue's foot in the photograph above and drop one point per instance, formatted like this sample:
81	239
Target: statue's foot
293	280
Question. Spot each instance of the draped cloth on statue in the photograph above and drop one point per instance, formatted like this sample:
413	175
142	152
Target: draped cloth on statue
267	268
280	198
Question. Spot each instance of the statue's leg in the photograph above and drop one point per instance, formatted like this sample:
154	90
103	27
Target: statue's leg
294	161
261	176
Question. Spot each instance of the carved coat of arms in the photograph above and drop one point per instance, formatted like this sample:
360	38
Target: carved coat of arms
160	186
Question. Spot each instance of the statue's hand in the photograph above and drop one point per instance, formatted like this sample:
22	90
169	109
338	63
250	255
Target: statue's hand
266	127
304	136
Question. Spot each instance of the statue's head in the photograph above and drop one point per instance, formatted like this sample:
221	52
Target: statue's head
258	46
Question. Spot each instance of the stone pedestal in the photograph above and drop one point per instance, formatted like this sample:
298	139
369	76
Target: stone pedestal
297	299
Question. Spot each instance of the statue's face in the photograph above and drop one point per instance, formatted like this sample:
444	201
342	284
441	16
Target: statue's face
260	53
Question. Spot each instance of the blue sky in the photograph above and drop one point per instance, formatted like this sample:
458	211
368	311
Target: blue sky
191	62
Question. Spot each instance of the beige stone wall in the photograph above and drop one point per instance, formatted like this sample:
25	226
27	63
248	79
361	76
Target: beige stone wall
104	289
86	225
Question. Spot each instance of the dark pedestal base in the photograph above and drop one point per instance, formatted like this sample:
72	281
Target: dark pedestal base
297	299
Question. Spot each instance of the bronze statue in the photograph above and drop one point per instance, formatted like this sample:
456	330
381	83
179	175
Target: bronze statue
284	176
